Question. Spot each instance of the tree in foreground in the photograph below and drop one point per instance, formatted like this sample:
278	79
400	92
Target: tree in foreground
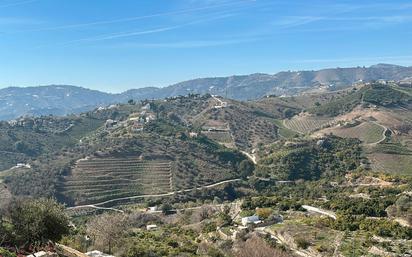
106	230
34	222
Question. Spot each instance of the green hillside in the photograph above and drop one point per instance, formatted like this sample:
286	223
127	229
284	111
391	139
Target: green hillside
309	159
164	149
386	95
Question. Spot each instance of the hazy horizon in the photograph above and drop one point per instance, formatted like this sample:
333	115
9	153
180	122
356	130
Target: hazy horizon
188	79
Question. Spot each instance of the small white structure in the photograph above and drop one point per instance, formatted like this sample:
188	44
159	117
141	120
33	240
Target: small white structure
146	107
320	211
96	253
23	165
13	123
150	117
250	220
134	118
151	227
153	208
110	123
193	134
39	254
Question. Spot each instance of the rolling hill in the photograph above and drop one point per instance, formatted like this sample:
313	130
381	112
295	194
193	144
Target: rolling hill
62	100
179	143
103	154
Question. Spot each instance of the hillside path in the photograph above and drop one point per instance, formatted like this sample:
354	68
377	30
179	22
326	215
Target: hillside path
251	157
385	129
320	211
96	205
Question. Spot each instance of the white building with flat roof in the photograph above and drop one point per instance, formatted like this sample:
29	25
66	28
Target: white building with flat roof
250	220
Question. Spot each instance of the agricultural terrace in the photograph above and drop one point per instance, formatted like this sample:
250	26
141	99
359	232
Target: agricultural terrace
307	124
391	163
223	137
100	179
367	132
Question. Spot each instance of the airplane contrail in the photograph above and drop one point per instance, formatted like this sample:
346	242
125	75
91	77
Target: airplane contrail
17	3
103	22
142	32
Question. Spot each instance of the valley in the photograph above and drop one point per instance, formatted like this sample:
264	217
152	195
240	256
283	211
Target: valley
319	174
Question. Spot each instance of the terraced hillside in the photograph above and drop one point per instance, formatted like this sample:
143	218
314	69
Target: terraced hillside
306	124
99	179
245	125
383	95
367	132
223	137
148	164
248	128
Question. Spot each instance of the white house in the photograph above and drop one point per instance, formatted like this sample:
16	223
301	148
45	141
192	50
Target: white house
96	253
40	254
151	227
146	107
150	117
193	134
250	220
153	208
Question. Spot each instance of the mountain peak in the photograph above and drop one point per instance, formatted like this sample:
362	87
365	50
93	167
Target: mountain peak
385	66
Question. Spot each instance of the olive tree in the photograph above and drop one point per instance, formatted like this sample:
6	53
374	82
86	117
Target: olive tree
37	221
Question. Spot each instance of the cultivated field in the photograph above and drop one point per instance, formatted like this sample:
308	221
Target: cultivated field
283	131
367	132
306	124
223	137
100	179
391	163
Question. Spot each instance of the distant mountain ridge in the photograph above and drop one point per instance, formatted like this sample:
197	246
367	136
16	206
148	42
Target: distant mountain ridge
62	99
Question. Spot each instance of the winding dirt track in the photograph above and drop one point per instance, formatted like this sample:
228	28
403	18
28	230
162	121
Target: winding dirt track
96	205
385	129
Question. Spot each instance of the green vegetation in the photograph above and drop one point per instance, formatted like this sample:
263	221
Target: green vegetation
29	223
392	148
385	95
377	94
367	132
285	132
183	147
6	253
310	159
306	124
34	137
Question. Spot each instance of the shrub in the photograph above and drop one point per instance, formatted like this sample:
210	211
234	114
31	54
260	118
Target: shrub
302	243
264	213
38	221
6	253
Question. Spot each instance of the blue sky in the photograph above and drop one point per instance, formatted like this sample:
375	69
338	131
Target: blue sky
114	45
